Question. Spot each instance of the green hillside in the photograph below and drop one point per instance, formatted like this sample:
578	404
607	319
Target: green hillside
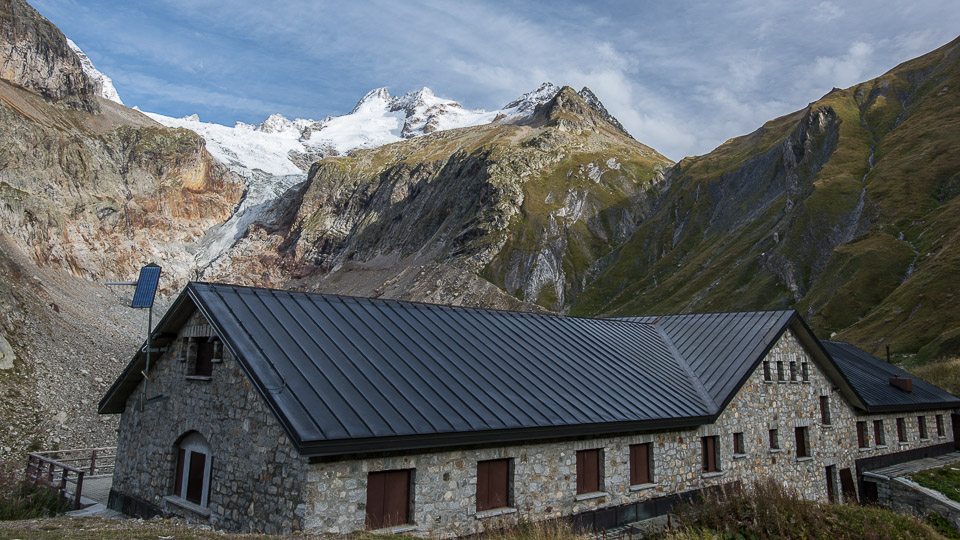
846	210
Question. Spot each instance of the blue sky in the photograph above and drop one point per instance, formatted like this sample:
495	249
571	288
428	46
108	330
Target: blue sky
681	76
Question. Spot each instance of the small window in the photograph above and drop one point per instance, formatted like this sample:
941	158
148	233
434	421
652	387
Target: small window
589	471
825	410
738	447
641	464
940	425
708	451
766	371
862	437
803	442
781	375
201	353
805	371
878	435
388	498
922	427
901	430
794	374
493	484
774	440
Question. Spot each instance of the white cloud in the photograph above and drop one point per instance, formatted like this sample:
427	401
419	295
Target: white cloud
844	70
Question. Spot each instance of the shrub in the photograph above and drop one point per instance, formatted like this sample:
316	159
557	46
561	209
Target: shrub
21	499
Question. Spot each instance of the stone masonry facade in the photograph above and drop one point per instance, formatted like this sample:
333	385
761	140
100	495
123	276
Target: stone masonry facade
256	474
544	474
260	483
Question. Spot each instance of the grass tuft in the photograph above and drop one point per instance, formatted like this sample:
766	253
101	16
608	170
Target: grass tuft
20	499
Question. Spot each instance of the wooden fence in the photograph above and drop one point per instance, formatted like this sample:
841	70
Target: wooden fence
60	468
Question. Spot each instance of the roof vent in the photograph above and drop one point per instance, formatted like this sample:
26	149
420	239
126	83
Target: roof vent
903	383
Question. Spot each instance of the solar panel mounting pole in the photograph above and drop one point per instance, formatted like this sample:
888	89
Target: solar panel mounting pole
143	297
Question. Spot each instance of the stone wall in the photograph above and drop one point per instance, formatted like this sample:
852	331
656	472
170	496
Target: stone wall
444	495
907	497
256	473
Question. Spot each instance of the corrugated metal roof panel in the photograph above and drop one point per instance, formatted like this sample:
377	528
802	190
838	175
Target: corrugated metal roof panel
354	368
870	378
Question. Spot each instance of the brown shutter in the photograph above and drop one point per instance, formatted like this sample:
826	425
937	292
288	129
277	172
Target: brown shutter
588	471
801	442
195	478
831	489
713	454
709	450
178	480
388	498
497	494
846	484
483	482
639	464
862	434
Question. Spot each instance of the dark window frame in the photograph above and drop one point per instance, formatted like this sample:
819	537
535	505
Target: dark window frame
710	461
940	430
738	444
879	433
794	374
825	417
193	473
805	371
781	372
589	471
774	439
802	438
394	487
901	430
641	464
863	437
922	427
767	373
494	484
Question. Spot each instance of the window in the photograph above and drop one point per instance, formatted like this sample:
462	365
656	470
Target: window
901	430
878	435
805	371
766	371
825	410
708	451
194	463
493	484
774	440
794	374
862	441
641	464
388	498
940	425
922	427
738	448
803	442
780	374
201	353
588	471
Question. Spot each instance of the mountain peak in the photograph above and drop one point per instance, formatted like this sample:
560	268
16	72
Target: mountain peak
575	109
103	85
371	97
526	103
597	105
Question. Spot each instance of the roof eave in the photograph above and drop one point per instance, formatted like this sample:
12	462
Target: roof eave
441	440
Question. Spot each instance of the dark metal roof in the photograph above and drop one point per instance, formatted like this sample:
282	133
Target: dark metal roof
345	374
870	378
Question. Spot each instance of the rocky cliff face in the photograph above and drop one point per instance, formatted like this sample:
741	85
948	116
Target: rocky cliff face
828	210
36	55
89	192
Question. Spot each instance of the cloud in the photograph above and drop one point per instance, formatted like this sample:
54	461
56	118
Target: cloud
845	70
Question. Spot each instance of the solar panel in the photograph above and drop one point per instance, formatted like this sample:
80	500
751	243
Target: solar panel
146	286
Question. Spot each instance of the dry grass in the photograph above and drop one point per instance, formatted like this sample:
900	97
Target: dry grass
944	373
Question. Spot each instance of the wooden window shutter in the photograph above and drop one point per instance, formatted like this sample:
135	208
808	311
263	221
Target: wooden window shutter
493	484
178	480
588	471
204	364
709	450
801	433
388	498
861	434
640	464
825	410
195	477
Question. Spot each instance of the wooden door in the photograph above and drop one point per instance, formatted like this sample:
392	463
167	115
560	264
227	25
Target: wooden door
388	499
831	488
848	487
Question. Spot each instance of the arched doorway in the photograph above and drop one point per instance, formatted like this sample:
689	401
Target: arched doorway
194	462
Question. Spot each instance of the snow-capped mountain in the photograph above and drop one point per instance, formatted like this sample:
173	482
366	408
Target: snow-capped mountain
281	146
103	84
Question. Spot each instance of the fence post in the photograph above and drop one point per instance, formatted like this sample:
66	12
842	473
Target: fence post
50	475
93	462
76	502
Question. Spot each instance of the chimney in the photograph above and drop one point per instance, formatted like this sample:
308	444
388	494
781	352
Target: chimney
903	383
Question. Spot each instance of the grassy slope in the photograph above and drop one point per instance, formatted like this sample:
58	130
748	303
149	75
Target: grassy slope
842	262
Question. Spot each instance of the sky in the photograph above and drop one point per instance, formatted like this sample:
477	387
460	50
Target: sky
682	77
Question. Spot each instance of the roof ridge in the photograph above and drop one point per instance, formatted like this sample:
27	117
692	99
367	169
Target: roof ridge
697	383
